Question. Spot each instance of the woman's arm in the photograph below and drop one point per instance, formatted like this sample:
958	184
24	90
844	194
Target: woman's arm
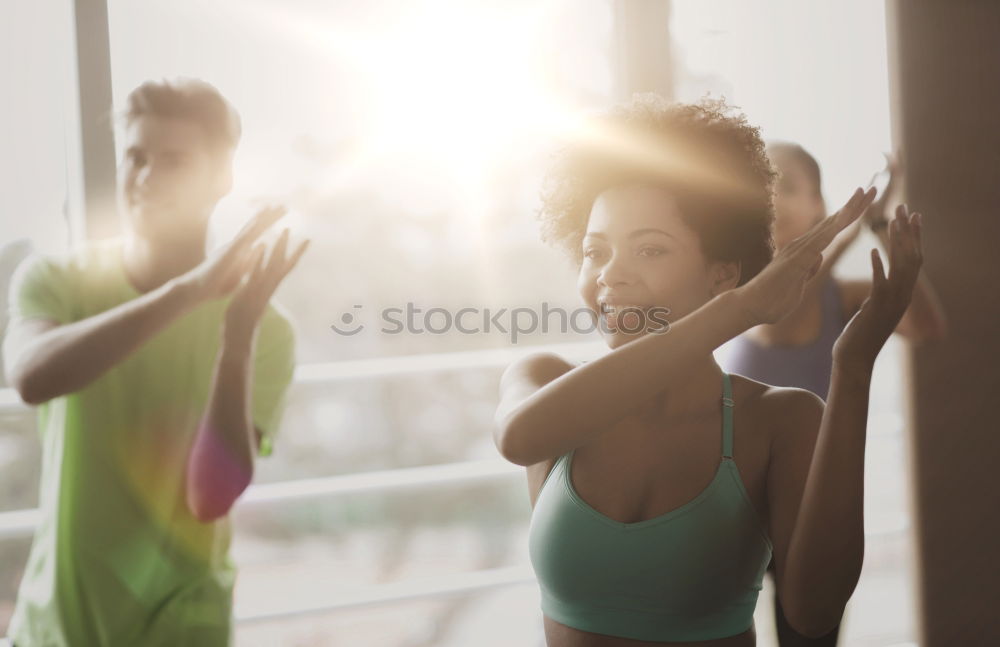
833	254
573	409
875	213
824	533
924	321
520	381
816	497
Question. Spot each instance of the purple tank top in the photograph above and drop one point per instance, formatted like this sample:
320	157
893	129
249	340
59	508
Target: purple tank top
805	366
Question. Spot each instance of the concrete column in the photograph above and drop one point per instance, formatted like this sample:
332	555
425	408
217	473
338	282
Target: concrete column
90	127
945	68
642	48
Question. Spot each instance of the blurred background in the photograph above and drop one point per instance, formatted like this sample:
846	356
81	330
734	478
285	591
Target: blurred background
409	139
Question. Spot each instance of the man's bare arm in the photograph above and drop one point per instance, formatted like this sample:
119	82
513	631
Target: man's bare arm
221	462
44	360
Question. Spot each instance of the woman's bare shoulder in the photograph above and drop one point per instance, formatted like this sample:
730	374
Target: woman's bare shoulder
538	368
777	409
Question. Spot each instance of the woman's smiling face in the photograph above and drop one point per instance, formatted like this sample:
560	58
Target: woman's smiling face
638	251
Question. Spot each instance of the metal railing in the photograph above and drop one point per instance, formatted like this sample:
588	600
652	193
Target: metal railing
22	523
415	589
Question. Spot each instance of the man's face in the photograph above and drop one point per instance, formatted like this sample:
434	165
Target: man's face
170	179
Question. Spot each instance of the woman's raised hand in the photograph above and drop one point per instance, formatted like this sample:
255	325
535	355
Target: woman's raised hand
778	288
866	332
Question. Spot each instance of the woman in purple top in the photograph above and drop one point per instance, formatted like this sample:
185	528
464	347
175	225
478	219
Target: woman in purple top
797	350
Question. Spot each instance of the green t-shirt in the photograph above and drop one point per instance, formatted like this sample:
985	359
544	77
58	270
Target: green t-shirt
118	559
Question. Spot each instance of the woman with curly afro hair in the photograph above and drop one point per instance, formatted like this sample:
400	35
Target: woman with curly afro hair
662	486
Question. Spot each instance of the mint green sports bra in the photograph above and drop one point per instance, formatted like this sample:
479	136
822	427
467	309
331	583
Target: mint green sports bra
690	574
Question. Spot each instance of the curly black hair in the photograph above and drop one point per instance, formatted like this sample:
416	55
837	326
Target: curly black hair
711	160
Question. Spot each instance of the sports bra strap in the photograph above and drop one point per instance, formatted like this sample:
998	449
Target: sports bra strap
727	416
